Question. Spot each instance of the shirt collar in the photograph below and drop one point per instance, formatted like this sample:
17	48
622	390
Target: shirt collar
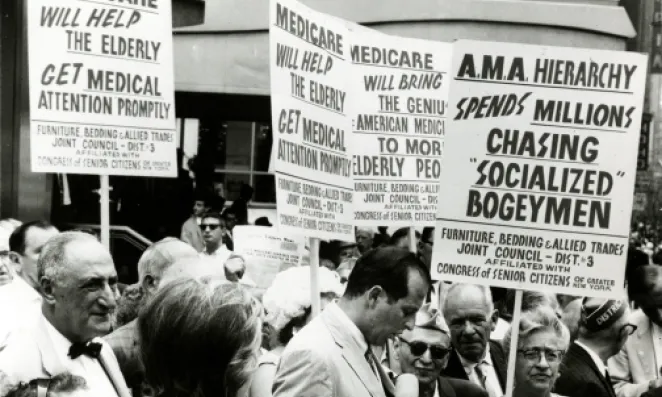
60	343
596	359
349	325
469	366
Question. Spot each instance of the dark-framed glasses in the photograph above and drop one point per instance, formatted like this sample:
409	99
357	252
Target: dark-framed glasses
629	329
534	354
205	226
418	348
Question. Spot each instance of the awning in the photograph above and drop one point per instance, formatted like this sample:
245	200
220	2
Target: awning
229	52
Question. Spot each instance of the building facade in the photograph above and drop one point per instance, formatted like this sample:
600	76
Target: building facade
222	97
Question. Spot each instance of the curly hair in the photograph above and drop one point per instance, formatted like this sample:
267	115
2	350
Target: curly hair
287	300
200	337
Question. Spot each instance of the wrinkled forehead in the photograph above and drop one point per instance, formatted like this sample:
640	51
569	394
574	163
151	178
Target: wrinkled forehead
84	259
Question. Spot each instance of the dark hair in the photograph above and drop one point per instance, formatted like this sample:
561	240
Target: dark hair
387	267
262	221
62	383
213	214
400	234
428	231
17	238
229	211
643	280
199	337
201	195
246	191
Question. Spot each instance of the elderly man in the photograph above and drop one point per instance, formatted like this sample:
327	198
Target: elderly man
364	239
470	315
153	263
424	352
636	368
603	329
79	289
331	356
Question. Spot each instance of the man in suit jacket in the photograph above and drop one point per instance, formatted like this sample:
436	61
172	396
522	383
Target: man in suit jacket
331	356
635	369
424	352
471	317
79	288
191	232
603	329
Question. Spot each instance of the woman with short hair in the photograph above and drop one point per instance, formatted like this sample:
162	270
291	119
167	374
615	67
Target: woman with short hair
200	338
542	343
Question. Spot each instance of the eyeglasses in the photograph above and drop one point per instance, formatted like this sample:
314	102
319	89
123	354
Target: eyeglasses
533	355
208	226
419	348
629	328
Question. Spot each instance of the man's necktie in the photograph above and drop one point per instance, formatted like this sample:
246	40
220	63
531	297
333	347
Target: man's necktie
91	349
372	361
482	376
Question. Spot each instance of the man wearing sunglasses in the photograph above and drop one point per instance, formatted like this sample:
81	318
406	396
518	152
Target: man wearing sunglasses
424	352
213	230
604	328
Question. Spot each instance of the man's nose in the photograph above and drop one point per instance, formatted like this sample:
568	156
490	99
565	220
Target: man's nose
409	324
426	357
543	363
110	296
469	327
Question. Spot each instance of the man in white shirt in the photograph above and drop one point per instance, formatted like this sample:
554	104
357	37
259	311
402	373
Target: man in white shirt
213	230
603	330
636	368
78	283
20	301
470	315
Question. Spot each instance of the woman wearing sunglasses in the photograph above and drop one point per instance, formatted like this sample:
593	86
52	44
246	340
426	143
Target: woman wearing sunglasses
543	341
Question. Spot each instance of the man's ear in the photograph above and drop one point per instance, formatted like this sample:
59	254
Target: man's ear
149	285
495	319
16	262
46	287
373	295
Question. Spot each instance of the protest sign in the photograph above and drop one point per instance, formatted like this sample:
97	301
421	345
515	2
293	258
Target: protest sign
101	88
266	252
312	144
400	92
539	167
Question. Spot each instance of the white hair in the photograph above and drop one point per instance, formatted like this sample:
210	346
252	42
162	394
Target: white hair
288	297
456	289
367	229
53	260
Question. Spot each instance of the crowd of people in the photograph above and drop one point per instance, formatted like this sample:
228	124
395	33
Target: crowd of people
196	325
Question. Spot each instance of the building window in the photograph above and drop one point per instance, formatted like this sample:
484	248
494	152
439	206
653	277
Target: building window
238	152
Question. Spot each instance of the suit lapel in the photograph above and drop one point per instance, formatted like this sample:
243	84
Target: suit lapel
498	362
445	388
584	357
352	353
645	347
110	366
454	368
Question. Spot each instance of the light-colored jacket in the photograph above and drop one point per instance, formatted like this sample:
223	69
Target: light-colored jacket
192	234
31	355
634	366
324	360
